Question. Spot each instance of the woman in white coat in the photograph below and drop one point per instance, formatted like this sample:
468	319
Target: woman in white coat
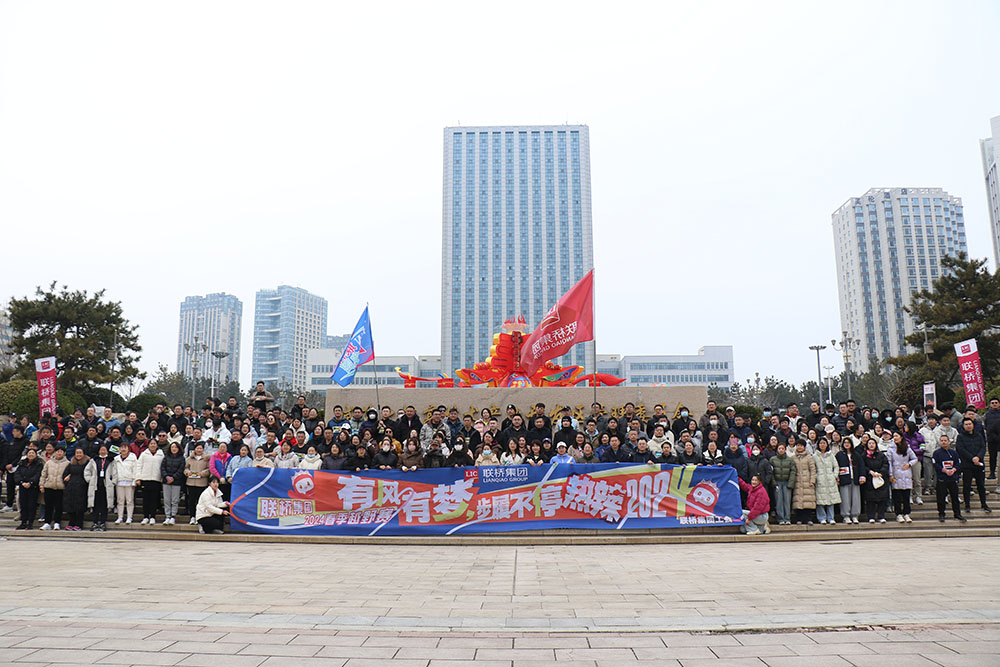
123	479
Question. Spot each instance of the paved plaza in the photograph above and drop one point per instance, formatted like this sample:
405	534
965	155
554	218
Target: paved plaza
883	602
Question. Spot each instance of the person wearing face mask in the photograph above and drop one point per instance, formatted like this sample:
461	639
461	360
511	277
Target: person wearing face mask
311	460
489	458
460	455
413	457
760	466
681	423
385	458
716	425
764	427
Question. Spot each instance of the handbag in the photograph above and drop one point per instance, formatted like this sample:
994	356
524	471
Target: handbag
878	482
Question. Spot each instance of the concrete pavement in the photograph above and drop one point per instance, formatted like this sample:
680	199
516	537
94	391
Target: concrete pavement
231	603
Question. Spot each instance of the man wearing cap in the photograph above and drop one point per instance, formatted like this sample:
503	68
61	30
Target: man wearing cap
511	411
566	432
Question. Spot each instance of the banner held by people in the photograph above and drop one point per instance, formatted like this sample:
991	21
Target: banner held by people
568	322
360	350
484	499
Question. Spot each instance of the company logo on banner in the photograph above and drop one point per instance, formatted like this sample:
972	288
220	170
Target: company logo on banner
972	373
483	500
45	370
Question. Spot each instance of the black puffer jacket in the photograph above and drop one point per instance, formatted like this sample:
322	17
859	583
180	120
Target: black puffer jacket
173	466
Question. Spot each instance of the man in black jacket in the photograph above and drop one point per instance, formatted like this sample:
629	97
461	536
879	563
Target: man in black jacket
15	450
971	449
992	419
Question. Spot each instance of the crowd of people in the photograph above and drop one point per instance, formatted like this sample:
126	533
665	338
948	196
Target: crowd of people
832	463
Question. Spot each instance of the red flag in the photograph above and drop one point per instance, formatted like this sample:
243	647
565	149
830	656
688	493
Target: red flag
567	323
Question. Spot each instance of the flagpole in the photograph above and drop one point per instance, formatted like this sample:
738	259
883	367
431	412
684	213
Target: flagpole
593	318
374	362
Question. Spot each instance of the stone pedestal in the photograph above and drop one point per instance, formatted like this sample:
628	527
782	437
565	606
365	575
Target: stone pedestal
474	399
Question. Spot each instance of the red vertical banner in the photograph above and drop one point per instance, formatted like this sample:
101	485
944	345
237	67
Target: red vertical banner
972	373
45	370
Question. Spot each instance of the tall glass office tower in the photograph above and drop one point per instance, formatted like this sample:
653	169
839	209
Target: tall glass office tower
217	320
517	232
990	149
288	321
889	242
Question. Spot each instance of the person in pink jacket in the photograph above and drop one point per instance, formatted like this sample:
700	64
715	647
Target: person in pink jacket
758	506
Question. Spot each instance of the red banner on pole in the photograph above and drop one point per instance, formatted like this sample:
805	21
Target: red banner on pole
45	369
972	373
568	322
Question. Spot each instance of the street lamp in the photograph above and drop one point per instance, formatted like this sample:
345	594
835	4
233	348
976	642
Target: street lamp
192	350
220	355
846	345
829	384
819	372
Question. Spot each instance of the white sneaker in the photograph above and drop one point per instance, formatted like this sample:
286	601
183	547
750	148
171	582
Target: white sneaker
899	518
56	526
847	519
881	520
152	521
145	521
118	520
6	508
201	530
873	520
822	522
854	519
128	520
192	522
920	501
907	518
46	526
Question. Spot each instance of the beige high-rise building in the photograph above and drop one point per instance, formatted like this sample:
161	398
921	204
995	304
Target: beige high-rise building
889	243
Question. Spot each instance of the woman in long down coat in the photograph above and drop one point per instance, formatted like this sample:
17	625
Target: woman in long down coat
827	471
81	483
876	494
804	493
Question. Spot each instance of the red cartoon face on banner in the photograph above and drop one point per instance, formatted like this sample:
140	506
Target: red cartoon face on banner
705	494
302	485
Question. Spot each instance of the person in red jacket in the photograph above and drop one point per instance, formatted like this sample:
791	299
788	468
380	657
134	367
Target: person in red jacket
758	506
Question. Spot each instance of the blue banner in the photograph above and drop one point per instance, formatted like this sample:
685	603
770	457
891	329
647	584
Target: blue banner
360	350
488	499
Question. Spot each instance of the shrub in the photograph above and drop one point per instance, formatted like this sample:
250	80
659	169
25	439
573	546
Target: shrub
11	390
141	404
26	402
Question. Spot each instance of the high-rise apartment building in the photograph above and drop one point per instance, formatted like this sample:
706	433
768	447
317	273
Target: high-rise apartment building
217	320
288	321
517	232
990	149
889	243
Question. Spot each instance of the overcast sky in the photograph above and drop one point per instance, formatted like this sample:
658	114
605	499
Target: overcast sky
162	149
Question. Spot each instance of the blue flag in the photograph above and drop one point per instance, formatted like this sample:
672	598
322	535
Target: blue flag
360	350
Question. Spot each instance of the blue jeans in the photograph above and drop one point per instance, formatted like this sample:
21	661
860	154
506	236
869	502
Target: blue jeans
783	500
825	513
